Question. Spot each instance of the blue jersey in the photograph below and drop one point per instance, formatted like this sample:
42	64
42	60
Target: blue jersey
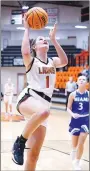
80	104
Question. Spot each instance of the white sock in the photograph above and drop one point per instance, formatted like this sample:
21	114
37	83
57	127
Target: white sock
73	153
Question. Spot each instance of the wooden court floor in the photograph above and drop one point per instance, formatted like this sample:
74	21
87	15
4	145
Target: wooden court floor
55	153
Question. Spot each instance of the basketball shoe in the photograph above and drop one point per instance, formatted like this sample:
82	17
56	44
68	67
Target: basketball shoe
18	152
76	165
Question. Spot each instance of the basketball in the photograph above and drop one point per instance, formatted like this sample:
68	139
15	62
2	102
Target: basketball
37	18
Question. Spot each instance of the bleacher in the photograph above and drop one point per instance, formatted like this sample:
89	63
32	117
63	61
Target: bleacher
82	57
10	53
63	77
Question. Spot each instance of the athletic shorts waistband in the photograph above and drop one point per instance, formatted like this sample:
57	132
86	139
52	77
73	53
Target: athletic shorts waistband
44	96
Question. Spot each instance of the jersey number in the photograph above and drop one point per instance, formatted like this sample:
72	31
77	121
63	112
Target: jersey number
47	81
80	106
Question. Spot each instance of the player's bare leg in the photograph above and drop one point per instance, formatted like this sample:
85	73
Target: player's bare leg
80	146
31	126
6	109
74	146
34	143
10	107
79	152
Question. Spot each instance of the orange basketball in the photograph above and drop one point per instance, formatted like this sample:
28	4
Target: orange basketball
37	18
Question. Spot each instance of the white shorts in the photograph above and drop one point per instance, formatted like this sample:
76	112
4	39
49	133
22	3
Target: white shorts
8	99
38	104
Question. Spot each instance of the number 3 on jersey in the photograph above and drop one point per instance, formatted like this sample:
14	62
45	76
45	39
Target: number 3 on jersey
80	106
47	81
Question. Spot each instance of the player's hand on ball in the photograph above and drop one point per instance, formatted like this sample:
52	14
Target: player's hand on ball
75	116
25	21
52	33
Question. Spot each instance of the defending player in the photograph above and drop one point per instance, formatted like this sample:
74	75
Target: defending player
78	107
35	99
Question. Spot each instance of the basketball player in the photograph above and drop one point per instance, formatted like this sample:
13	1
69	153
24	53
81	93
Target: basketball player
78	107
35	99
8	95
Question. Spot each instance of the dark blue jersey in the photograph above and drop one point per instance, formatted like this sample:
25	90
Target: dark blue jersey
80	104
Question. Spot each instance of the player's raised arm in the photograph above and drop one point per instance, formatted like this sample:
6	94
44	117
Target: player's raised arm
25	49
62	59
